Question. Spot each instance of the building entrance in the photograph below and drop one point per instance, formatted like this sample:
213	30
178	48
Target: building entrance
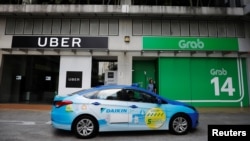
143	71
29	79
100	67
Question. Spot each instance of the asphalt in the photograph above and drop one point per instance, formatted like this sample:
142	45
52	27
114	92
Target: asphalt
29	122
48	107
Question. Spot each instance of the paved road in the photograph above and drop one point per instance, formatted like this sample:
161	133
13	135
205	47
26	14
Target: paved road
34	125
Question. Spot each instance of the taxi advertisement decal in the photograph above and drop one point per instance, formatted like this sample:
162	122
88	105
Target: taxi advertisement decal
69	108
155	118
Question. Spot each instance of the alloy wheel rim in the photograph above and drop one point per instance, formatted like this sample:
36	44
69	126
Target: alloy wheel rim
85	127
180	124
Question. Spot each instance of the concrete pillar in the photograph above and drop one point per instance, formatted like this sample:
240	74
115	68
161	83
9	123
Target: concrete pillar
124	75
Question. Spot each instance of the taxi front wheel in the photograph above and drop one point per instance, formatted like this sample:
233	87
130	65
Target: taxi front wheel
85	127
179	124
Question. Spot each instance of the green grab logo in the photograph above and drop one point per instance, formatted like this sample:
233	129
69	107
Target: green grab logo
190	43
183	44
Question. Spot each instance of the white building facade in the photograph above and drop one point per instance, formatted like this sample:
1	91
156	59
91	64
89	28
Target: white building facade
195	51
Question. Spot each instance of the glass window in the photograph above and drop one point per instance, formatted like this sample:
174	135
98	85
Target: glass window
91	95
109	94
140	96
122	95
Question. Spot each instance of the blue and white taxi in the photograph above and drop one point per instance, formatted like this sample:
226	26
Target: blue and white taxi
120	108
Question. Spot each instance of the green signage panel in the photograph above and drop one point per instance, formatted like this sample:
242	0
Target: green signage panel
204	81
190	43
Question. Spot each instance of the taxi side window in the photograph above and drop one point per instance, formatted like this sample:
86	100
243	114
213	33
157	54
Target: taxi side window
148	98
91	95
110	94
139	96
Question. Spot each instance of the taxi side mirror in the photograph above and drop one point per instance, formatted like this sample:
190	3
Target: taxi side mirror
158	101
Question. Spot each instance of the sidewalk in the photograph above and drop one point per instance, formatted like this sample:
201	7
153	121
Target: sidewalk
223	110
26	106
200	109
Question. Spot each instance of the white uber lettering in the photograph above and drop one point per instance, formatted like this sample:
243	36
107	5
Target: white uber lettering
42	44
76	42
65	42
53	42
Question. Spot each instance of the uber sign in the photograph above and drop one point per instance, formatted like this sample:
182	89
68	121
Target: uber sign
73	79
59	42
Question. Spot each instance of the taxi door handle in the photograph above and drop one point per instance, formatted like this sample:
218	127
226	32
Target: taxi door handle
133	106
96	103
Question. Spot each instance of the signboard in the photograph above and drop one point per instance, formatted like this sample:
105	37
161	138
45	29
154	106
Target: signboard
110	77
110	74
59	42
18	77
73	79
47	78
205	81
190	43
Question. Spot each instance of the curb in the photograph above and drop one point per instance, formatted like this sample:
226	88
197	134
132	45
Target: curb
47	107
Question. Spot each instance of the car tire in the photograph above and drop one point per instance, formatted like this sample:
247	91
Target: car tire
179	124
85	127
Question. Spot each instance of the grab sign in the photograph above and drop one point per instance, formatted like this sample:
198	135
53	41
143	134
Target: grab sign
204	81
189	43
198	44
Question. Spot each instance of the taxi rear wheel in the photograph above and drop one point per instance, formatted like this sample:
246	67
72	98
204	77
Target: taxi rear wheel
85	127
180	124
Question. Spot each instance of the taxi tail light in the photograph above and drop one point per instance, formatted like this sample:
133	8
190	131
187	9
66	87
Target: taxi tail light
62	103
